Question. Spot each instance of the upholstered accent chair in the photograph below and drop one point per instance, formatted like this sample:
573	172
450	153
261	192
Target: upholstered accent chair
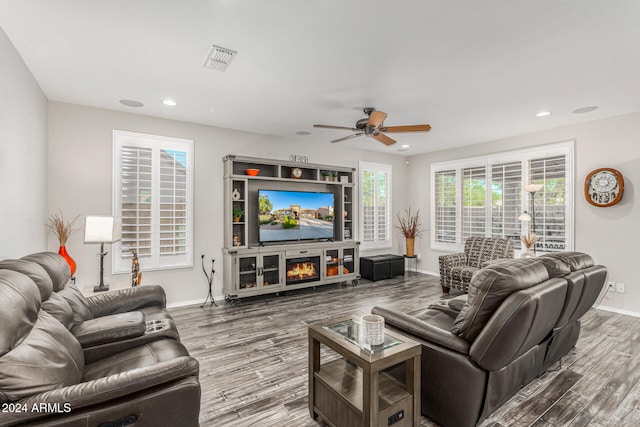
457	269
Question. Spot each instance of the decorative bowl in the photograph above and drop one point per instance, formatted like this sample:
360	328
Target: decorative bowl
252	172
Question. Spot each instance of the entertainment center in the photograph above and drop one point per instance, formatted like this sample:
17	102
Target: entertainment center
287	225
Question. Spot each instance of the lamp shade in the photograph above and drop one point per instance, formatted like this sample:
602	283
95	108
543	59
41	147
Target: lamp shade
532	188
102	229
525	216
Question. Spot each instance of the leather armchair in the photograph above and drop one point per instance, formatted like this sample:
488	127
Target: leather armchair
457	269
106	323
46	376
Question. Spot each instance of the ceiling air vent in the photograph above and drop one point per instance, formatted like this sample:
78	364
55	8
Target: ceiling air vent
219	58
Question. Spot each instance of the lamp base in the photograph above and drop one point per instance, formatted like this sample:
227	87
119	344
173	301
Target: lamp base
101	288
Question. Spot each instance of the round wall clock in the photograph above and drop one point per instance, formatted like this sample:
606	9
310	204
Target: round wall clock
296	173
603	187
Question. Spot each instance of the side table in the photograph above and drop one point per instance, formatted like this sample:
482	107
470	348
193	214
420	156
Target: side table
353	390
413	258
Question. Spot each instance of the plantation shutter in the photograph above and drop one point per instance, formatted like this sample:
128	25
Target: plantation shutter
375	194
173	202
550	204
445	206
153	187
135	190
506	205
474	200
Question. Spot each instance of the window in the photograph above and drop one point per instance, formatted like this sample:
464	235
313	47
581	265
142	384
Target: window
489	192
152	192
375	197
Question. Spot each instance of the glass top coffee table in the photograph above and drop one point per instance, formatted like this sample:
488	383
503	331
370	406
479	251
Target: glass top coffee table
350	329
352	389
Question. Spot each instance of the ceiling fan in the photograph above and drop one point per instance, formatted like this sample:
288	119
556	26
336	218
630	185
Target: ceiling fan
372	126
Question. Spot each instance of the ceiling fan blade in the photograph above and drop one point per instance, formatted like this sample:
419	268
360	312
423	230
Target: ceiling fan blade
409	128
384	139
333	127
376	118
347	137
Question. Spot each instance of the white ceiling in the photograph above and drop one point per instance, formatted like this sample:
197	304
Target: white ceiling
475	70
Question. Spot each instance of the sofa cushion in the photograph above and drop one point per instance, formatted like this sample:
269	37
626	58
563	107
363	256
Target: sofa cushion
55	265
489	287
575	260
32	269
60	309
556	267
37	353
19	305
78	303
139	357
48	358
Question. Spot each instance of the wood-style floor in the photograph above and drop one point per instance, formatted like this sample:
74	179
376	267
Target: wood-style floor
253	359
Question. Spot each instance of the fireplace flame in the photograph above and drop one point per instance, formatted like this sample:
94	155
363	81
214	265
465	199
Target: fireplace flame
302	270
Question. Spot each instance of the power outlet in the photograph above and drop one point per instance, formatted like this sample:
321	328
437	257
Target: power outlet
398	416
611	286
620	288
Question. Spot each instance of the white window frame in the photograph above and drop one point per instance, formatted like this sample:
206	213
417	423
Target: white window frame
122	262
524	155
376	244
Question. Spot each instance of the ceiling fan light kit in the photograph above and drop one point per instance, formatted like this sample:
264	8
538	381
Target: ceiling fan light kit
372	126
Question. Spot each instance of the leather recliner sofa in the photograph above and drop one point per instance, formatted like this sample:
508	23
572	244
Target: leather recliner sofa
519	318
46	376
105	323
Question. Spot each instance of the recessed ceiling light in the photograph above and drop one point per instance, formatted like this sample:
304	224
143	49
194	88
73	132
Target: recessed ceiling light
131	103
405	146
543	114
170	102
303	132
585	109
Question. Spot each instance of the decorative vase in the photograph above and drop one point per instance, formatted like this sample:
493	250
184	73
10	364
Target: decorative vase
527	253
72	264
410	245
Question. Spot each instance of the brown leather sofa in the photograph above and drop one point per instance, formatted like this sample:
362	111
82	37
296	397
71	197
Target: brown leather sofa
519	318
108	322
46	378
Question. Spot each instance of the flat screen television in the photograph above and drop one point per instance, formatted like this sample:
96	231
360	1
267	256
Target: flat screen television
295	215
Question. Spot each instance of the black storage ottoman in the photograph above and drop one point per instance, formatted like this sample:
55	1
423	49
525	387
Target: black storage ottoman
379	267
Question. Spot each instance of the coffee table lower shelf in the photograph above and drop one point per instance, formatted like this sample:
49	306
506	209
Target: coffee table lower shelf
338	392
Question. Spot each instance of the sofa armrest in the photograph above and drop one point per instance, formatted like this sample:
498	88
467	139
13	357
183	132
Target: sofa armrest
493	261
102	390
452	260
107	329
424	330
124	300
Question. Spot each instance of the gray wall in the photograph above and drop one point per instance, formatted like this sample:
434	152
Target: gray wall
608	234
80	181
23	156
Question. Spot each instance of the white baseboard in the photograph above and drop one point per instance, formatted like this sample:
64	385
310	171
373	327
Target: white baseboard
618	310
193	302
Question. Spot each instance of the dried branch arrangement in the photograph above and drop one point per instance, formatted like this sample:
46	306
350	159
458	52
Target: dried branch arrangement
409	225
529	239
63	230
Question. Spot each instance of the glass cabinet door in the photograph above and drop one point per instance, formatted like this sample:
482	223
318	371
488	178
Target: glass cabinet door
247	272
271	270
348	260
332	262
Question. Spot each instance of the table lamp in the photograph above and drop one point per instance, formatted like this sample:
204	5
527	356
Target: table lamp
102	229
